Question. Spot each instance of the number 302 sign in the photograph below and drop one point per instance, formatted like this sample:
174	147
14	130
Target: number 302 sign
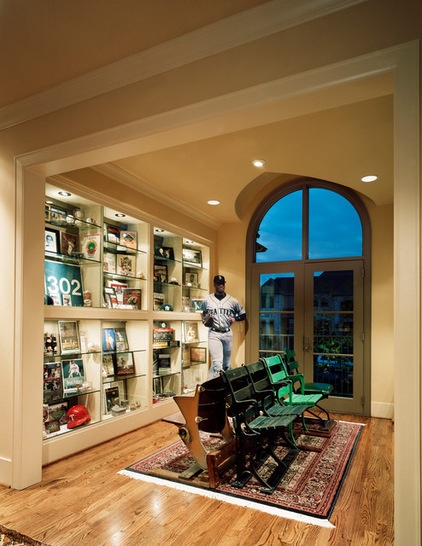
64	280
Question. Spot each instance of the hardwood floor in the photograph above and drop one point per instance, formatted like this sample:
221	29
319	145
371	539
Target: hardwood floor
82	500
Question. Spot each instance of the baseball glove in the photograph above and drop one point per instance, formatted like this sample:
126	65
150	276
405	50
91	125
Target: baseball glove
207	320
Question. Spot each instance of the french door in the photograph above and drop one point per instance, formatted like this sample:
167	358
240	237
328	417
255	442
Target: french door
316	309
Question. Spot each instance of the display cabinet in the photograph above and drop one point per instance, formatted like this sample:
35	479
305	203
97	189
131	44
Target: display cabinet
122	331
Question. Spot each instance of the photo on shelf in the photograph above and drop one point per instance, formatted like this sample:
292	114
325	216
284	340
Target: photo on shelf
52	240
129	239
61	278
58	412
69	243
57	215
112	234
158	300
112	397
126	265
198	355
132	297
160	273
69	337
118	288
164	363
110	297
164	252
109	262
120	336
109	340
108	365
66	300
53	387
73	375
124	364
197	305
192	257
91	246
52	426
190	332
47	213
186	307
191	279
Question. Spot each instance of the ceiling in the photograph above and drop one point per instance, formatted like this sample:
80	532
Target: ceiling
338	135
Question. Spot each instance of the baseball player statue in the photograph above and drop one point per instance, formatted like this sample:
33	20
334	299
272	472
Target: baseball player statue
219	311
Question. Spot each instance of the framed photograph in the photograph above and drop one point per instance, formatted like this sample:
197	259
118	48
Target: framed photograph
129	239
192	257
51	240
110	298
132	297
112	397
69	337
69	243
63	279
57	412
198	355
164	252
47	212
73	375
109	262
108	365
118	288
191	279
186	304
57	216
52	426
112	234
190	332
122	343
66	300
53	387
160	273
91	246
124	364
109	340
158	301
197	305
126	265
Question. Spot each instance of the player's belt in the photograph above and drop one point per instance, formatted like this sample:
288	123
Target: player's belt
221	330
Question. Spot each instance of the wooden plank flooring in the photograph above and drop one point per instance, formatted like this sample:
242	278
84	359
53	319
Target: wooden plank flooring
83	501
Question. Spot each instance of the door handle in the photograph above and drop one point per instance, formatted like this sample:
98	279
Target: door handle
306	344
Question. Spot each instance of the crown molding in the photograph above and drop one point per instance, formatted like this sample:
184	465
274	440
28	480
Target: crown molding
239	29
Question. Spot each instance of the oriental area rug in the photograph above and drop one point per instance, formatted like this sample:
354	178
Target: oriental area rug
8	537
307	492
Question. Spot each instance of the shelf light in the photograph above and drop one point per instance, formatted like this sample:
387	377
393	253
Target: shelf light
64	194
213	202
120	215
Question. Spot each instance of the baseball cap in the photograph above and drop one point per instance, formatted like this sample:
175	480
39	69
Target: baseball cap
219	279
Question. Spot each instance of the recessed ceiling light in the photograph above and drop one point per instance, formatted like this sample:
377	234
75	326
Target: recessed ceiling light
120	215
258	163
369	178
65	193
158	230
213	202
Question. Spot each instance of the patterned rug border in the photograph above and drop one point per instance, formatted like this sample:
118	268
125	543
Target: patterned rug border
232	498
7	535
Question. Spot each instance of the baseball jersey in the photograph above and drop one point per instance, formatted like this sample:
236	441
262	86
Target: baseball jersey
221	310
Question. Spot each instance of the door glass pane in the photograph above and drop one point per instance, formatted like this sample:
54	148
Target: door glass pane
335	229
276	313
333	330
280	232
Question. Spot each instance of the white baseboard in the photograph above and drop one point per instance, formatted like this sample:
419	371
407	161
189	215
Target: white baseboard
382	410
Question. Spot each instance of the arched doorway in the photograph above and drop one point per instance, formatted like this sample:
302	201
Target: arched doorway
310	273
